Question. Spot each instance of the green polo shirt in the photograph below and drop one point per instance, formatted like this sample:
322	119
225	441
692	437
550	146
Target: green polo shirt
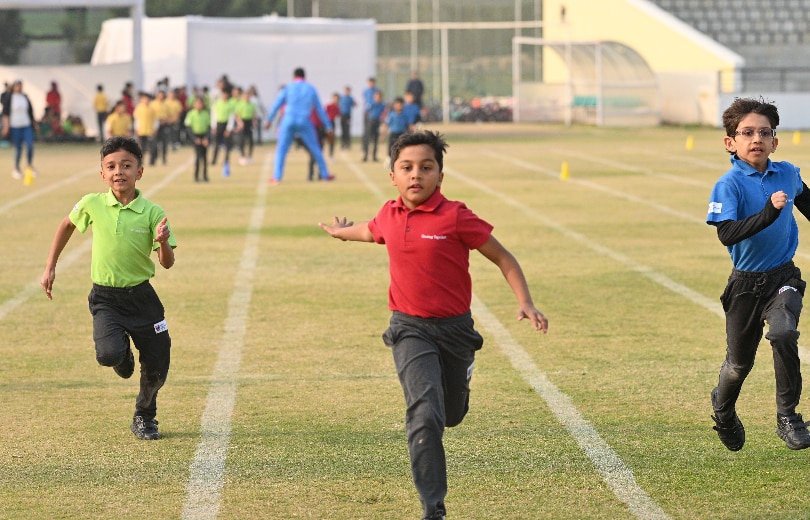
224	109
199	121
245	110
123	237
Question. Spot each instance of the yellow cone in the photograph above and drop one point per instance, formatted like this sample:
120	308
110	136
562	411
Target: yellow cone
564	173
690	142
797	137
29	176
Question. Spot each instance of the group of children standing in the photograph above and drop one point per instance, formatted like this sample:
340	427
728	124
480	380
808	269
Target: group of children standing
167	118
380	120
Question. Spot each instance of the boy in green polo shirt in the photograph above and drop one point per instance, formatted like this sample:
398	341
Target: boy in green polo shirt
126	229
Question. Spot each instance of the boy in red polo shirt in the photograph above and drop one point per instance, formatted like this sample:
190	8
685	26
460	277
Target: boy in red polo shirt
431	331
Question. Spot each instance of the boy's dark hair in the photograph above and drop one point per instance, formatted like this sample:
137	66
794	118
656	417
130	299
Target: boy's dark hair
113	144
299	73
741	107
433	139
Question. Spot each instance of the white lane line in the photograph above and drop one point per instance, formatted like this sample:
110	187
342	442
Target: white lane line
615	473
207	470
78	252
613	470
51	186
639	201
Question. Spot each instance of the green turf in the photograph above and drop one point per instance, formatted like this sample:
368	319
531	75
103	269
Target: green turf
317	427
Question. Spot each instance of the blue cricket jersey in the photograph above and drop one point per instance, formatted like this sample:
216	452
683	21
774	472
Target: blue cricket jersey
742	192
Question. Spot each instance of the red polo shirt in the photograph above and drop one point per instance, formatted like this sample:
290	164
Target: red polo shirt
429	255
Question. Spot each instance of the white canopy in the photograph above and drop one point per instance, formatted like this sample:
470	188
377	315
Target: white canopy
264	51
195	50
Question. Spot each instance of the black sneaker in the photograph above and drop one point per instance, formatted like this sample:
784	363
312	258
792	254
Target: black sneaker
146	430
438	514
731	432
127	366
793	431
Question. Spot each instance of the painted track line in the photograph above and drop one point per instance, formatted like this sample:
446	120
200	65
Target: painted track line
615	473
50	187
76	253
207	470
613	470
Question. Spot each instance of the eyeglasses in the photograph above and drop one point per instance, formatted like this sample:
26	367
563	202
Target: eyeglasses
763	133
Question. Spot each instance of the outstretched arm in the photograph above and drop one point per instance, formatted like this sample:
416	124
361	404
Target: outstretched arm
60	240
347	230
506	262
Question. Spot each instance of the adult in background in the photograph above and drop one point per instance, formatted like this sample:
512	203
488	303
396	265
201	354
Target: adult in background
298	98
415	87
18	126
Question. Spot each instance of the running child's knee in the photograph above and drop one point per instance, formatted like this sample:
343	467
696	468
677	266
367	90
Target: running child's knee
782	337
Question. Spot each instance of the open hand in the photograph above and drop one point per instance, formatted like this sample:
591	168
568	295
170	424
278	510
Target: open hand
538	319
337	224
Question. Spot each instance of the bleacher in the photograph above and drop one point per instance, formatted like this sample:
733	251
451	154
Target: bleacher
769	34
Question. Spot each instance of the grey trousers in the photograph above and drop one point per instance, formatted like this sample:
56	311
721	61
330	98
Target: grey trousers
434	359
749	300
133	312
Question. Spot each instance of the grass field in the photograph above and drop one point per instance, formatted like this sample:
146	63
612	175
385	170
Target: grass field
606	416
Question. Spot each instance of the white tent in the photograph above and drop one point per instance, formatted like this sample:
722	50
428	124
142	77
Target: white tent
263	51
196	51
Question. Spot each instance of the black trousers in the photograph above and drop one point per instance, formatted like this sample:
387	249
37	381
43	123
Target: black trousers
136	313
749	300
345	131
220	139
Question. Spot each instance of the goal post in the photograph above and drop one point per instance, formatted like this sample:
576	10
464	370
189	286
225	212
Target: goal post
590	82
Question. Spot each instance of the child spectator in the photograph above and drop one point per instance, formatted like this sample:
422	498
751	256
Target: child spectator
198	121
374	120
332	112
396	123
411	111
145	124
162	113
246	111
101	105
346	104
225	118
119	122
